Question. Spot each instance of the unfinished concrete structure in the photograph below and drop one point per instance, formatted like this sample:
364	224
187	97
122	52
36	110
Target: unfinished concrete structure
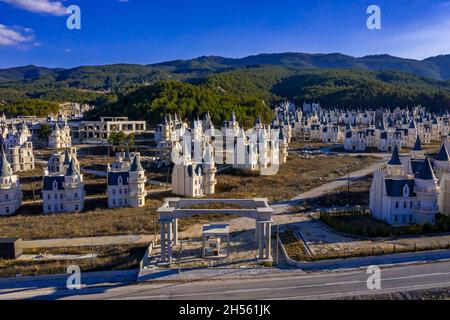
176	208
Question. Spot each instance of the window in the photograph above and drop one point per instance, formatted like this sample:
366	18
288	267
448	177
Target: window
418	204
410	218
395	218
76	207
405	205
396	204
410	204
6	196
7	210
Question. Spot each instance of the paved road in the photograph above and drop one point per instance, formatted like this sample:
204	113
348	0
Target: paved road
294	286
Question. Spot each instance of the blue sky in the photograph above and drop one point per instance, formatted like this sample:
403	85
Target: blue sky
149	31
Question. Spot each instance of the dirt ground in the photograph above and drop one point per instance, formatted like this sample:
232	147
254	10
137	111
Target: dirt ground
294	177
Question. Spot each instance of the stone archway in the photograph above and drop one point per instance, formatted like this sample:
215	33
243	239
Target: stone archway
176	208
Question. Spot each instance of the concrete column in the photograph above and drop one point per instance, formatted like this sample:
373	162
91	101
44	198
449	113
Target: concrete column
268	240
169	241
163	241
203	246
261	240
175	231
256	230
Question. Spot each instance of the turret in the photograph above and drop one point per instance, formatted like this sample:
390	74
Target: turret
442	160
416	150
427	192
209	169
137	183
395	167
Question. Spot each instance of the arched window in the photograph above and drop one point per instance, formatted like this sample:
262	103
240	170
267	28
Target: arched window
406	191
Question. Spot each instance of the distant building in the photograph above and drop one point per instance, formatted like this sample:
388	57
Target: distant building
99	131
126	181
191	178
10	193
18	147
60	137
59	162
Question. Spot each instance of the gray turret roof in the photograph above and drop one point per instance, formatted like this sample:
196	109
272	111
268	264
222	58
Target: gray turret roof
426	172
67	158
72	169
136	165
395	159
417	145
442	154
5	170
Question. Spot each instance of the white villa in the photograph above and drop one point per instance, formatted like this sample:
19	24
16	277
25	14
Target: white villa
191	178
413	189
60	137
10	193
18	146
63	187
126	181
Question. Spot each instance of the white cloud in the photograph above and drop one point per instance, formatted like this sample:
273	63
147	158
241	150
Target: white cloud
423	42
55	8
14	36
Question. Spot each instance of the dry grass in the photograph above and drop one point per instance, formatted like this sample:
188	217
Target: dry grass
296	176
121	257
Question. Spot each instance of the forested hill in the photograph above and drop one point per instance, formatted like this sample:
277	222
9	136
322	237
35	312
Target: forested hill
250	91
249	85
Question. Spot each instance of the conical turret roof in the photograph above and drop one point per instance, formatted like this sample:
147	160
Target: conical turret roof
395	159
5	170
72	169
426	172
442	154
136	165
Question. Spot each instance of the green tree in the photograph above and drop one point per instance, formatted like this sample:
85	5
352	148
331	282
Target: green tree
120	141
44	132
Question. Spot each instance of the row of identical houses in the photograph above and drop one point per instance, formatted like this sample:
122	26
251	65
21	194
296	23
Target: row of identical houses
63	185
412	189
200	147
359	130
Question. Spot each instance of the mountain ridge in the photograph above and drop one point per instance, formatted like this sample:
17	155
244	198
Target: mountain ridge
437	67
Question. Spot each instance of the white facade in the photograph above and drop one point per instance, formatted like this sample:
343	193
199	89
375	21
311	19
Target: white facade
63	192
126	182
407	191
10	193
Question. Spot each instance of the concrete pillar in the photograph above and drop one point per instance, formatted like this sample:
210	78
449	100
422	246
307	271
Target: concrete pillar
169	241
175	231
261	241
203	246
163	241
268	240
256	230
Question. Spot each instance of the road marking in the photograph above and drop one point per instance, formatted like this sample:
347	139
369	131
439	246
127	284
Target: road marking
352	293
166	296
